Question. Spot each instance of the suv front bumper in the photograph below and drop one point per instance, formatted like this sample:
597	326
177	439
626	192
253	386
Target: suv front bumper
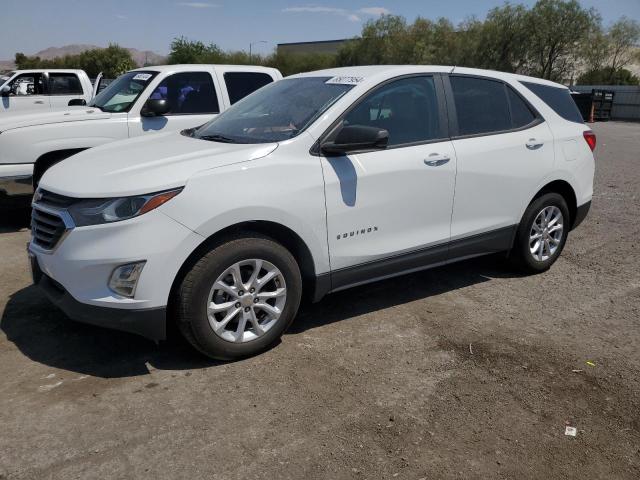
75	274
150	323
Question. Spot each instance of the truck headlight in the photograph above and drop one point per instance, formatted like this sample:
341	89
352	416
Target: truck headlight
124	279
107	210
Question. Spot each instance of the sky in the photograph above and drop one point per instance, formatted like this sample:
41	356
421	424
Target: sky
31	25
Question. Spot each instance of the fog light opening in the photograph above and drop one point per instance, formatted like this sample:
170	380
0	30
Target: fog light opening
124	279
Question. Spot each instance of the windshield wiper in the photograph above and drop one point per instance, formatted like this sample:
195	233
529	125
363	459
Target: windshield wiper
217	138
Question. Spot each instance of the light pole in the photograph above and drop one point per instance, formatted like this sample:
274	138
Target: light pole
252	44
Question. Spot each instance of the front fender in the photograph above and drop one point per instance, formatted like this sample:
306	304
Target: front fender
27	144
289	193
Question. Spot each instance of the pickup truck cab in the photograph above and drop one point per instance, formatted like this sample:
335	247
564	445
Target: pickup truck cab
42	90
141	102
316	183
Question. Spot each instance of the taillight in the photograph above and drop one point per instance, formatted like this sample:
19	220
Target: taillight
590	138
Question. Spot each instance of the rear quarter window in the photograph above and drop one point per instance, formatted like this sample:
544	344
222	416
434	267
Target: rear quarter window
559	99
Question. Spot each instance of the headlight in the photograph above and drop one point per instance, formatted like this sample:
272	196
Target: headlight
107	210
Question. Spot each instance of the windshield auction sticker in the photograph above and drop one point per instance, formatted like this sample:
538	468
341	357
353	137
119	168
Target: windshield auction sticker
142	76
344	80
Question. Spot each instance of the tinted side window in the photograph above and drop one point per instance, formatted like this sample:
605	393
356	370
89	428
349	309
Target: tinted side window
241	84
521	114
64	84
481	105
406	108
188	93
27	84
559	99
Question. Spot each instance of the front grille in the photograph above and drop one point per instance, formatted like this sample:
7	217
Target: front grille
48	224
46	228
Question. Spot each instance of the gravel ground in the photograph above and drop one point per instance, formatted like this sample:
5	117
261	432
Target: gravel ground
468	371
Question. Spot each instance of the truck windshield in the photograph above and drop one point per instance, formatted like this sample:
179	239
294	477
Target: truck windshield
274	113
123	91
5	76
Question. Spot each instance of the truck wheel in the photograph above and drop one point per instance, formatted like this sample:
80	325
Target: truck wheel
239	298
542	233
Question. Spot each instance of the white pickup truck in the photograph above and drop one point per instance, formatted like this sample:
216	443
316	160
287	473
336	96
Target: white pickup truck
139	102
42	90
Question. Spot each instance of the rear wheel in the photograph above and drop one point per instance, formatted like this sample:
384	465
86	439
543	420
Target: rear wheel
239	298
542	233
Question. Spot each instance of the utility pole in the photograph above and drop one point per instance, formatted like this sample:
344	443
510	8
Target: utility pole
251	44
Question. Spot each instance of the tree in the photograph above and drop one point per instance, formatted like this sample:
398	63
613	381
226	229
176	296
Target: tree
502	39
290	64
383	41
607	53
189	51
556	29
608	76
111	61
623	36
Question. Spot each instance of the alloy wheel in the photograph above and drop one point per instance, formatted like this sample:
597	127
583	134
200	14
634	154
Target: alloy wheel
246	300
546	233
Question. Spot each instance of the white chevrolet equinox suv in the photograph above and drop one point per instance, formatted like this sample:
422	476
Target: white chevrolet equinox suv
312	184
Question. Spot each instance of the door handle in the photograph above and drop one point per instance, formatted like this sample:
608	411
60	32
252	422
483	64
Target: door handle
39	102
436	159
534	144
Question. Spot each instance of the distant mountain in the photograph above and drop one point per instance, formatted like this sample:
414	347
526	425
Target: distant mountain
54	52
6	65
140	57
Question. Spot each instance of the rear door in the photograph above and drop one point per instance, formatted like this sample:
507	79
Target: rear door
241	84
28	92
64	87
504	149
389	210
192	96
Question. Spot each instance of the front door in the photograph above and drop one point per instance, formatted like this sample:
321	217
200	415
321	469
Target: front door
389	211
28	92
192	97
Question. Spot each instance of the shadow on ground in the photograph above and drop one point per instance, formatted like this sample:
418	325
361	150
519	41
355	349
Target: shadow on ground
44	334
14	219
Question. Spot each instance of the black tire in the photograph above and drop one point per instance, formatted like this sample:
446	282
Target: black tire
521	256
192	296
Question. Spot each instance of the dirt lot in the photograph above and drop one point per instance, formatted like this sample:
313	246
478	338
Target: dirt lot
469	371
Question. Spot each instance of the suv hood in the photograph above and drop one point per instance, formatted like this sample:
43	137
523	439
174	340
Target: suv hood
10	120
144	165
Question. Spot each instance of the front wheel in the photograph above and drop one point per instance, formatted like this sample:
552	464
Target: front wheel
542	233
238	299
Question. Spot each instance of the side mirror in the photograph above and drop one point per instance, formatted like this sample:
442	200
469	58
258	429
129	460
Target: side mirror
77	102
155	108
356	137
5	91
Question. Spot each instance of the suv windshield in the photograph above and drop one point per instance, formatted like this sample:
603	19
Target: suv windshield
122	92
274	113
